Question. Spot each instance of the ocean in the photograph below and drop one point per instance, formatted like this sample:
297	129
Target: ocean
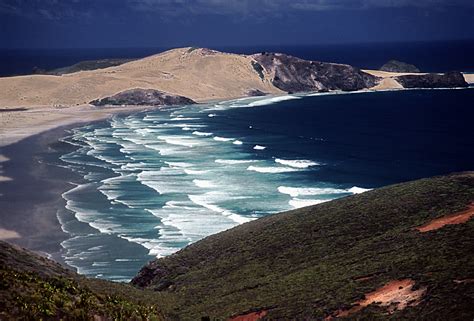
153	182
157	181
428	56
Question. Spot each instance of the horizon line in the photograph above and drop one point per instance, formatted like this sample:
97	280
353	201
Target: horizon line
249	46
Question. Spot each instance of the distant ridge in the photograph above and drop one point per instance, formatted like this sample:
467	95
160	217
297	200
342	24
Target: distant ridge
84	65
200	74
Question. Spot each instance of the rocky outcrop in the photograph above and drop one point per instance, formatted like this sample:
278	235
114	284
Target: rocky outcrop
142	97
154	276
255	93
399	66
448	80
293	74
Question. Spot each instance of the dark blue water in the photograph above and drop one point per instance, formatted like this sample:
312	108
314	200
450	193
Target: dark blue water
374	139
157	181
428	56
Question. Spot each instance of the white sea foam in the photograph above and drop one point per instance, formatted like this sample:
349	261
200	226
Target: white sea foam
271	169
307	191
165	150
195	172
90	217
198	133
181	125
298	203
237	142
269	101
207	201
358	190
184	118
185	220
222	139
178	164
235	161
135	166
259	147
296	163
162	181
179	140
178	204
211	115
155	246
203	183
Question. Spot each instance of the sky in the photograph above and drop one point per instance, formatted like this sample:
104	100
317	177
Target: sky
218	23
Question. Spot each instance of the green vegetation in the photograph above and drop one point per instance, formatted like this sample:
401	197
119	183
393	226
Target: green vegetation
308	263
303	264
34	288
84	65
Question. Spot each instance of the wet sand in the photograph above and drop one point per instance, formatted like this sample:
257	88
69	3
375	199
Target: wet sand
30	199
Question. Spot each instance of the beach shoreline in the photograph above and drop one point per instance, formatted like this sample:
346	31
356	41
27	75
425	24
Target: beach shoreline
31	187
31	198
35	224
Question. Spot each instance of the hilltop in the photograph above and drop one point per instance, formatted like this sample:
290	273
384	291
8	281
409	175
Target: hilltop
402	252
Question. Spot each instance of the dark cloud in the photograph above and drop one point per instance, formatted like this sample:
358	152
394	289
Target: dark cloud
80	9
262	8
124	23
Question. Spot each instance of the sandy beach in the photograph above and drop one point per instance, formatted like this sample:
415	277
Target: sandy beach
31	197
29	213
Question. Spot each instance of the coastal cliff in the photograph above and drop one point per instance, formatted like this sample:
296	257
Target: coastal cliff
293	74
448	80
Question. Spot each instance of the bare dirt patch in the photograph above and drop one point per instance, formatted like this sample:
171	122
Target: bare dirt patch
395	295
252	316
456	218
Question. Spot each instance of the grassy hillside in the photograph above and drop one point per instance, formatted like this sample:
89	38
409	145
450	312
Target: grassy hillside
315	262
35	288
361	257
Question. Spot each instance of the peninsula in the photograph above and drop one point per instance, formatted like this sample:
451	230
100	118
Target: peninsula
34	103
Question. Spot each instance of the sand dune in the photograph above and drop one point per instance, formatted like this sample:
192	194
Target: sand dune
52	101
469	78
198	74
388	79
